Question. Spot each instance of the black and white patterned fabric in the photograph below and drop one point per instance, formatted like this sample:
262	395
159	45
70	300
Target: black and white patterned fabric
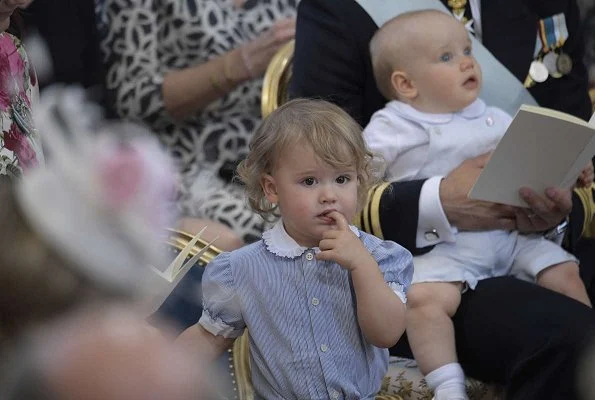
141	40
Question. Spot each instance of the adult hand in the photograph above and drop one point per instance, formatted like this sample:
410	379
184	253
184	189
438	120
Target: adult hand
585	179
544	211
468	214
257	54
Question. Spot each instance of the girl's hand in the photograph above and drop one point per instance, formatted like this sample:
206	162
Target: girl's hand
342	246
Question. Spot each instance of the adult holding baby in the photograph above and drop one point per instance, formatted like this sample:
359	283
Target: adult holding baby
507	331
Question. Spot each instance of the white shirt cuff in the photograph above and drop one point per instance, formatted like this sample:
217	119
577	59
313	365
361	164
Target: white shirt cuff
432	225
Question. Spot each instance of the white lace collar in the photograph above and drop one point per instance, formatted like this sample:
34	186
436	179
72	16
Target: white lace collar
473	110
278	241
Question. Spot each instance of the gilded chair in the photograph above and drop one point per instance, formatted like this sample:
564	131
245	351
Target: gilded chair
182	306
275	85
177	240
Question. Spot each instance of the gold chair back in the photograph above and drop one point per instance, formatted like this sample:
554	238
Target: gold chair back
240	360
178	240
275	86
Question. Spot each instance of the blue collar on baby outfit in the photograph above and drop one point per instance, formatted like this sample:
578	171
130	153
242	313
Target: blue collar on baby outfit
473	110
278	241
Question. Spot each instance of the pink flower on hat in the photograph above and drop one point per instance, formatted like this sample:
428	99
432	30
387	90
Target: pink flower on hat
138	177
120	173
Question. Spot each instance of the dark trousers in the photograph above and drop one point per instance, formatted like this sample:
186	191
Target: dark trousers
549	332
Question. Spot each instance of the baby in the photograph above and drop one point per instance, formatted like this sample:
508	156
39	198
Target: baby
423	61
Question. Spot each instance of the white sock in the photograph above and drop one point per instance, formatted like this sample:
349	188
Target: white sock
448	382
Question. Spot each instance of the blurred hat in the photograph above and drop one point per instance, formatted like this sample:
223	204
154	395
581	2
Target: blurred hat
104	197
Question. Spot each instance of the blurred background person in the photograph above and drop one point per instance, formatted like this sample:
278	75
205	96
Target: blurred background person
65	32
193	72
20	146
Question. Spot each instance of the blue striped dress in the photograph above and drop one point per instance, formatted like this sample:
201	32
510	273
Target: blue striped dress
305	341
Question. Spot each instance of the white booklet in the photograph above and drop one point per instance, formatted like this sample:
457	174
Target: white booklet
541	148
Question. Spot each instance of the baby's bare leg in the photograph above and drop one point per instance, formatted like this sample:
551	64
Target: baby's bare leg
430	331
564	278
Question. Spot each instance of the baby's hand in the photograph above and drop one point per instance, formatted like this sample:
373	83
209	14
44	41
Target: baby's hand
586	177
341	245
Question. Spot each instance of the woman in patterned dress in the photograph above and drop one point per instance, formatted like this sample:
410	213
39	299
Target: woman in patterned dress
20	146
192	70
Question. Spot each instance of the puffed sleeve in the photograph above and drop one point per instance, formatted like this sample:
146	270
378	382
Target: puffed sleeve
222	314
129	46
396	264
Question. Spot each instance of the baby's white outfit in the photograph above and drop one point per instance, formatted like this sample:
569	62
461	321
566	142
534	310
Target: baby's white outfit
418	145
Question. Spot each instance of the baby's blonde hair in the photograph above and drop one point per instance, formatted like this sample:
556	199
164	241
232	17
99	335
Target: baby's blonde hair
390	46
335	137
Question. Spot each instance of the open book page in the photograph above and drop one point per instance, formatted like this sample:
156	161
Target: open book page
541	148
554	114
160	284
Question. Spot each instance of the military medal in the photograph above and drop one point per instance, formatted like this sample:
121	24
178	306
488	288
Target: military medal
564	63
458	11
550	61
538	71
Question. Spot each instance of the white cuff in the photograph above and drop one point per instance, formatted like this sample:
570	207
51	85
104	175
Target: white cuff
397	288
217	327
432	225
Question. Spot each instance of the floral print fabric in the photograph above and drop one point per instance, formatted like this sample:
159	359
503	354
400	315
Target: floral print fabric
20	146
141	41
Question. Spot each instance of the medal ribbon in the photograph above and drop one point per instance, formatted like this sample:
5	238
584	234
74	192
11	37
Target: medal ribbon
552	32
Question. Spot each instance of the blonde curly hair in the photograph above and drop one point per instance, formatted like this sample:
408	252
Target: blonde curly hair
335	137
